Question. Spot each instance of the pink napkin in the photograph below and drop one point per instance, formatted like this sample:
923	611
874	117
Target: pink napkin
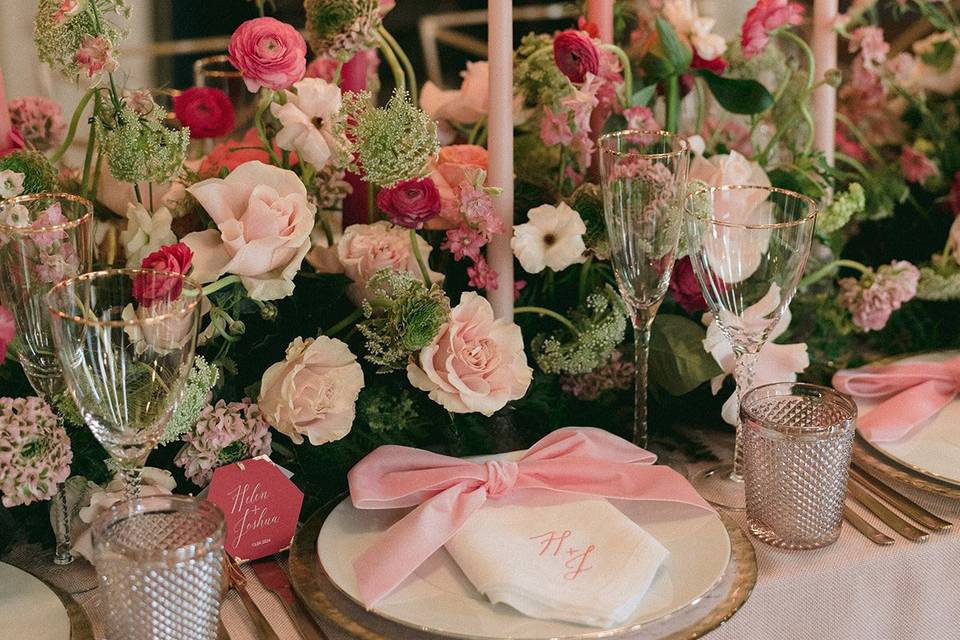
450	490
914	392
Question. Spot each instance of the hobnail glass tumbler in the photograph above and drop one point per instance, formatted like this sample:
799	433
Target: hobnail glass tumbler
160	562
797	444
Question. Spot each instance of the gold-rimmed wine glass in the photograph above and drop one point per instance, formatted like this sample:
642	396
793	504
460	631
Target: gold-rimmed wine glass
219	73
126	339
44	238
748	246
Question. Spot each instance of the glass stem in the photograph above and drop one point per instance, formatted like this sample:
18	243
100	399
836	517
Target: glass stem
642	323
744	372
63	554
131	482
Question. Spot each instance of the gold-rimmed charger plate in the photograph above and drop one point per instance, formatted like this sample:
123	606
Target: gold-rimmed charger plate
79	624
330	606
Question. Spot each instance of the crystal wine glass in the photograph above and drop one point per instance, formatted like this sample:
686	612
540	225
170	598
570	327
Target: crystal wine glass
748	246
644	176
44	239
219	73
126	339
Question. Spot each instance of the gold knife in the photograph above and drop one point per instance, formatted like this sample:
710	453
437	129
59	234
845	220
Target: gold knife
906	506
872	534
238	582
888	517
274	579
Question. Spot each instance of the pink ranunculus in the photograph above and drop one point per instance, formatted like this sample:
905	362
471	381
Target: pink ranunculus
465	105
313	391
685	288
916	166
7	331
268	53
476	363
206	110
410	203
263	219
576	55
365	249
95	55
454	165
764	17
172	258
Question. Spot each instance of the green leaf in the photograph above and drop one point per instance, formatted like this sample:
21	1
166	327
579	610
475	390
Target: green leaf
656	67
674	50
738	95
642	97
941	56
678	362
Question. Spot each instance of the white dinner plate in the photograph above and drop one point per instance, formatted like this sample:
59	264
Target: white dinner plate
29	609
439	599
932	449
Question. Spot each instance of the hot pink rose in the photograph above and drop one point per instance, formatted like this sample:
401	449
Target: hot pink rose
684	287
207	111
263	229
173	258
576	55
268	53
365	249
454	165
410	203
475	363
764	17
7	331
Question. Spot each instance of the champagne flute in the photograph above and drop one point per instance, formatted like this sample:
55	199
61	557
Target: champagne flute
644	176
126	339
44	238
748	246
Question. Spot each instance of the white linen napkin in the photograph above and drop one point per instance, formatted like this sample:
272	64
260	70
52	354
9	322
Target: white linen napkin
579	561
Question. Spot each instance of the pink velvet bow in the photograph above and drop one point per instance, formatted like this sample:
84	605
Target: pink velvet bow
450	490
914	392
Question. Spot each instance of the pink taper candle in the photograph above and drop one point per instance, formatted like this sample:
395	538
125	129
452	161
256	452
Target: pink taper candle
825	55
500	147
5	126
600	13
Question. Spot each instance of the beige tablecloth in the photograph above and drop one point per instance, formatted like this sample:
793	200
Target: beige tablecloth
852	590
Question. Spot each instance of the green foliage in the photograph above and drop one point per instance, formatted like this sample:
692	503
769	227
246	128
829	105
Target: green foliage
738	95
678	362
675	52
587	200
39	176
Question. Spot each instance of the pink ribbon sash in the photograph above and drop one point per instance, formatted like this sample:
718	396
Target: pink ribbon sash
450	490
914	392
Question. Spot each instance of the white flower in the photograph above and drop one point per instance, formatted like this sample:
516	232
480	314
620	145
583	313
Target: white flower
552	238
146	233
308	118
694	29
11	183
775	363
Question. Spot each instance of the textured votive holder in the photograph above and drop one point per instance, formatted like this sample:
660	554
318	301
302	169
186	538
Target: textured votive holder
797	441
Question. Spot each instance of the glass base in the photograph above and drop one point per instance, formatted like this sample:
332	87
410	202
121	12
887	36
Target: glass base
63	557
718	487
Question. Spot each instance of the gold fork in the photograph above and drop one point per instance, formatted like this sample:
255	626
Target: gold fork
238	582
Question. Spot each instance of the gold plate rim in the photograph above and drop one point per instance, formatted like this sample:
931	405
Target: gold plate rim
315	590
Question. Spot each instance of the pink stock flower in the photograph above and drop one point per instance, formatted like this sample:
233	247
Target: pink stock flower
410	203
685	288
916	166
35	451
871	45
95	55
475	363
764	17
149	288
576	55
616	374
464	242
207	111
39	120
7	331
873	297
640	118
518	286
477	208
555	128
481	275
268	53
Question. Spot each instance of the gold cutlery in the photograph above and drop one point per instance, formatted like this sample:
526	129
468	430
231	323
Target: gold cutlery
274	579
859	493
238	582
872	534
904	504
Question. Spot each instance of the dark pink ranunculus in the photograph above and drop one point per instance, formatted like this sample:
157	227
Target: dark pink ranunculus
7	331
684	287
207	111
268	53
150	288
576	55
410	203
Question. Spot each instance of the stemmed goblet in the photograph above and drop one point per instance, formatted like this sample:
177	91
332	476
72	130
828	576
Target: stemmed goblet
748	246
126	339
643	175
44	238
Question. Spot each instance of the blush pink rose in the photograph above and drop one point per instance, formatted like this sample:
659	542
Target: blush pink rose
454	165
263	229
313	392
410	203
268	53
576	55
476	363
365	249
7	331
465	105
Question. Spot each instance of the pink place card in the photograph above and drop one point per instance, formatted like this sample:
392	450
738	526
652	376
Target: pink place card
261	507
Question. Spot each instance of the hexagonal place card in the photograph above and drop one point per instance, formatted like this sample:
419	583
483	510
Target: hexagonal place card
261	507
